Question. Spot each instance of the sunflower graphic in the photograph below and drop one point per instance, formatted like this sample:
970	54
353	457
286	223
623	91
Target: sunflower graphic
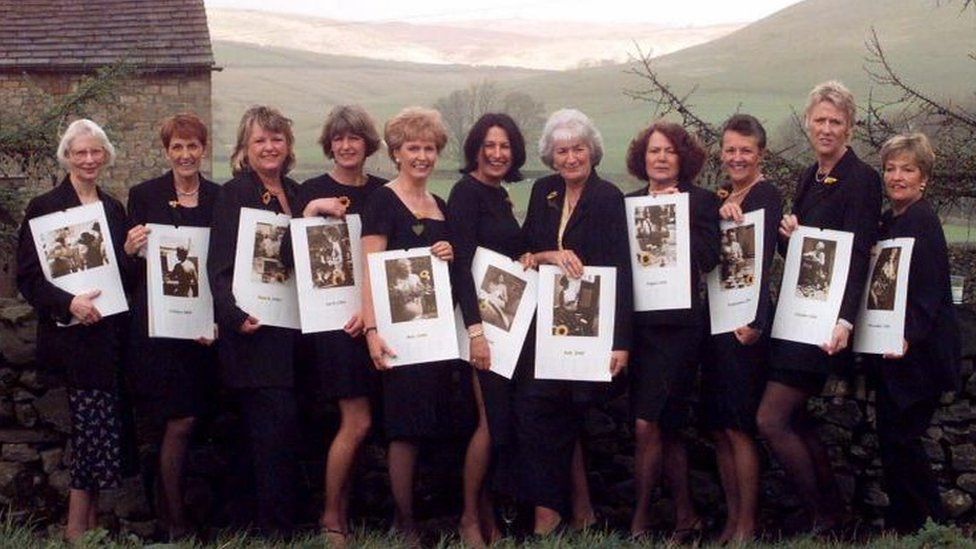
644	258
560	330
425	274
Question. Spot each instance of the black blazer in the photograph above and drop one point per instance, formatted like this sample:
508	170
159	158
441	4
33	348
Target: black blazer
266	357
706	244
88	354
932	362
765	196
596	232
851	203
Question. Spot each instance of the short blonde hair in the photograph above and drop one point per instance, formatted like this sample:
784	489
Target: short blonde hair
917	145
81	128
271	120
414	124
836	94
570	124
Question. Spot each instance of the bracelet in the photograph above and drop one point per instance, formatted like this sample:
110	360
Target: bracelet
476	333
368	330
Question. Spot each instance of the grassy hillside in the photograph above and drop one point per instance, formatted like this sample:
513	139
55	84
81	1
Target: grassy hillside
765	68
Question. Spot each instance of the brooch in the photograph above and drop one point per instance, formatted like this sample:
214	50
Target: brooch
829	180
345	201
174	203
551	199
722	193
266	198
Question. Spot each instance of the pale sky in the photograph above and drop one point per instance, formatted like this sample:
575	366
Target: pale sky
671	12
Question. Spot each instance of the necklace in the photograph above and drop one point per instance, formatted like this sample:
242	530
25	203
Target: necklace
188	193
738	193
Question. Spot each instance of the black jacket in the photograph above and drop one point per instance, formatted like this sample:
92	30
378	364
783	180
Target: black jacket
706	244
89	355
266	357
596	232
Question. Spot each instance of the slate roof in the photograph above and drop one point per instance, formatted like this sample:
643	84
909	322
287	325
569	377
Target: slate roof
83	34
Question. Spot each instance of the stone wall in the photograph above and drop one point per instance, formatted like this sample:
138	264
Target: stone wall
34	454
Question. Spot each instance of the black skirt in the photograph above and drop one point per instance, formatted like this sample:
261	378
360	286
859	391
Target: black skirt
428	401
663	373
342	366
172	378
733	380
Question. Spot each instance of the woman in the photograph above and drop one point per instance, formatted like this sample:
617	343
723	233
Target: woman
574	218
257	361
838	192
171	376
667	341
480	214
400	215
910	383
341	358
734	363
90	349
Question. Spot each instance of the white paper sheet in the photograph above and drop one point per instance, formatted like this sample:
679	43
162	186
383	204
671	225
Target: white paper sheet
734	285
880	326
328	265
660	251
180	302
76	253
262	286
575	324
507	300
814	280
411	292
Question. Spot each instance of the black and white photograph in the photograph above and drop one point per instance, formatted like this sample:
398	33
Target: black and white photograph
267	266
738	257
499	295
181	271
884	280
657	237
881	318
575	323
180	302
658	231
816	268
330	256
411	289
813	285
74	248
576	306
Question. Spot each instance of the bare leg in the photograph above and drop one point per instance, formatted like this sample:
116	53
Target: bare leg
402	458
746	457
489	527
93	511
648	459
583	514
353	428
80	507
172	459
778	412
676	475
727	473
546	520
476	462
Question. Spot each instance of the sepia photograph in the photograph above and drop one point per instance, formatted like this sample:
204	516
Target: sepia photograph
330	256
74	248
499	296
816	268
267	266
576	306
738	257
411	289
181	271
657	240
884	280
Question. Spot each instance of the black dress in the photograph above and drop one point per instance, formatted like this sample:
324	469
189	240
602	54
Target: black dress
734	375
908	389
481	215
852	203
420	401
664	364
341	363
171	377
550	413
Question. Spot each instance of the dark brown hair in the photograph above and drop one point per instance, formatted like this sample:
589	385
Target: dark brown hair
691	155
185	125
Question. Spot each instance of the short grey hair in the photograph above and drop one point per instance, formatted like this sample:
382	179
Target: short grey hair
81	128
836	94
570	124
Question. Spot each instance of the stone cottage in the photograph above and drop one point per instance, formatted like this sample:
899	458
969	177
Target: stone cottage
49	46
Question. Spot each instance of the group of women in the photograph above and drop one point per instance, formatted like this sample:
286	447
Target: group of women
750	384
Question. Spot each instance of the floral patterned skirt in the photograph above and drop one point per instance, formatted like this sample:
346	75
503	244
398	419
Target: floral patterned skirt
96	440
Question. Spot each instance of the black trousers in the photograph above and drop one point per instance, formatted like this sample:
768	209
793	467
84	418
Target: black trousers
913	492
270	417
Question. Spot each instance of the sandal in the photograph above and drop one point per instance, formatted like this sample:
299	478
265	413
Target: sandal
690	535
334	536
